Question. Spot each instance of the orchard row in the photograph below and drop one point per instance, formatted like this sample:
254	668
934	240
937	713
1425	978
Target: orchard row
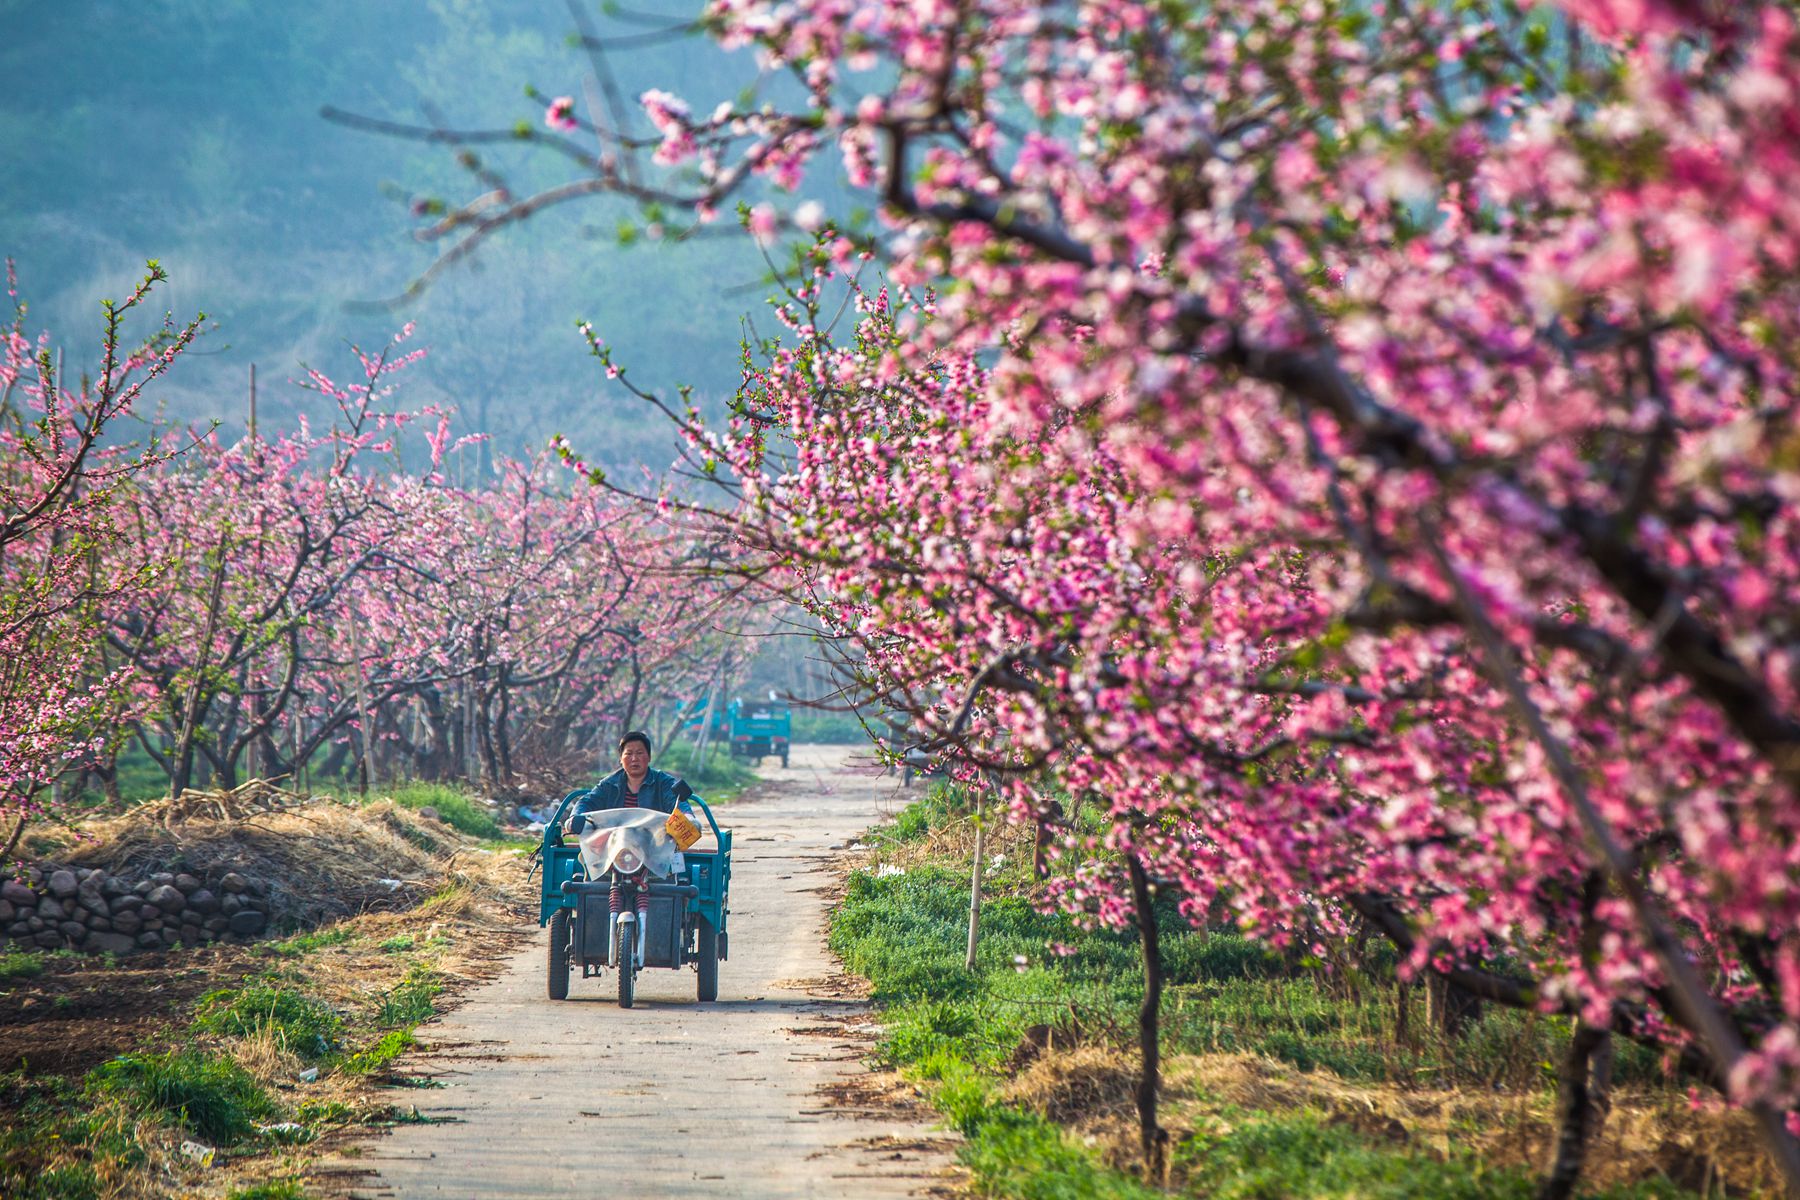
321	601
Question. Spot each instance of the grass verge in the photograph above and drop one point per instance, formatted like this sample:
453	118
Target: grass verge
461	812
718	777
1280	1080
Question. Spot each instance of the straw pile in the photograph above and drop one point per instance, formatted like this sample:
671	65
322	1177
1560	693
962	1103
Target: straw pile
321	860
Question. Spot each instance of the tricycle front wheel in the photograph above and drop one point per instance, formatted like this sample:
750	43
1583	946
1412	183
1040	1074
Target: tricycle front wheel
557	981
707	951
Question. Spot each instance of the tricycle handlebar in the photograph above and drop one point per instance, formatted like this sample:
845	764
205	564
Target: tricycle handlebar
553	827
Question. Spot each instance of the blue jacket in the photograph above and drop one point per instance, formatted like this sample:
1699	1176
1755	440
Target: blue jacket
660	791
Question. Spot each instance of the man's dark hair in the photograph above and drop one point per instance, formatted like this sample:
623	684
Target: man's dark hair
636	735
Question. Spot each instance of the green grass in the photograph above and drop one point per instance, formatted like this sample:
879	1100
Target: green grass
206	1093
1016	1153
275	1189
454	807
379	1055
302	944
20	964
1272	1156
44	1112
940	802
412	1000
321	1113
957	1029
300	1023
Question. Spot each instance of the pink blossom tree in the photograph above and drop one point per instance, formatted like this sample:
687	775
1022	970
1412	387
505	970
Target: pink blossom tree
331	602
63	468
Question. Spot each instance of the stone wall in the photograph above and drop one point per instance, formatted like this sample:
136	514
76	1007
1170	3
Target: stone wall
88	909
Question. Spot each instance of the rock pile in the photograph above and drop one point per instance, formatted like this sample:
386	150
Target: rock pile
91	910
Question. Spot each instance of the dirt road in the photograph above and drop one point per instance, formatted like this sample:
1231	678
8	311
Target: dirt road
761	1094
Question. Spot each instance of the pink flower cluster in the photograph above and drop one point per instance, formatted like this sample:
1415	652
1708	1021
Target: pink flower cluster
560	115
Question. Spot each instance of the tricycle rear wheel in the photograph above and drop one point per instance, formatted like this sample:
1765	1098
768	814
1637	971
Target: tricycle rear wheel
557	981
707	960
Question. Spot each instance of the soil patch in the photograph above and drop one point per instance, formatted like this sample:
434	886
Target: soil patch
79	1013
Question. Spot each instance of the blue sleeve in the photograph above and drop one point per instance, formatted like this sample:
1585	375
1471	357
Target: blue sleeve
583	807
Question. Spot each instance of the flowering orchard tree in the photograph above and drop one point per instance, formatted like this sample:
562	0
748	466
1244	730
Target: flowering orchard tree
261	537
556	615
62	554
1353	440
329	599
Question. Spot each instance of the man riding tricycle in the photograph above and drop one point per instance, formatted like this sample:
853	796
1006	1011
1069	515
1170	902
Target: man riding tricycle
636	889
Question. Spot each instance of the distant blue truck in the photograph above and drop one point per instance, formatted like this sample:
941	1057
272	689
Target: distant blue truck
756	731
760	730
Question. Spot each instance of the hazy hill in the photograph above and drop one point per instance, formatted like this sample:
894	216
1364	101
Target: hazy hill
188	130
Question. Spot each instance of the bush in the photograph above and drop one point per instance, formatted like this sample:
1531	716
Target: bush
716	775
819	726
20	964
912	823
210	1095
300	1023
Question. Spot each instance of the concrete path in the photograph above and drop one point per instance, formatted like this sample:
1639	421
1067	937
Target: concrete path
762	1094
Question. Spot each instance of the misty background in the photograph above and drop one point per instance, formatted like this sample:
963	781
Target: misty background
189	131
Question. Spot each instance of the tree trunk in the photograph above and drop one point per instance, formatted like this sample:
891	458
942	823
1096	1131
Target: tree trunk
1153	1140
364	718
1048	818
471	757
183	757
484	733
333	766
107	772
1448	1007
1580	1105
12	839
631	704
975	882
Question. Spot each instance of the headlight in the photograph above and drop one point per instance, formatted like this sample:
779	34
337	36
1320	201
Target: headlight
628	861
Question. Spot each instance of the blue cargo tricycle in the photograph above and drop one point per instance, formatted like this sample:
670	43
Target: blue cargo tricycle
686	894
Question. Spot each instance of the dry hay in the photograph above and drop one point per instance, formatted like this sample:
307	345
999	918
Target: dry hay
1077	1086
955	840
322	860
249	799
1647	1134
